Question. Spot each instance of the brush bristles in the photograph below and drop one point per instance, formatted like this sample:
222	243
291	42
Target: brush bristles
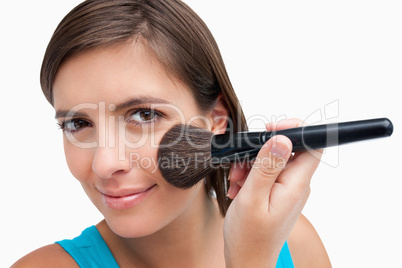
184	155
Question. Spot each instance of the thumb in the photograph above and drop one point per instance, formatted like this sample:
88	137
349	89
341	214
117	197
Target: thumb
270	162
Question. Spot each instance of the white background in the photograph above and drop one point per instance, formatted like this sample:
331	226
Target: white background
285	59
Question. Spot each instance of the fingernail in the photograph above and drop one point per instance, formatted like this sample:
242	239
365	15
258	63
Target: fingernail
229	192
240	183
279	149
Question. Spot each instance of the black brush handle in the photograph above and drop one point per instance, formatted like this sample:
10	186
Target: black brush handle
322	136
245	145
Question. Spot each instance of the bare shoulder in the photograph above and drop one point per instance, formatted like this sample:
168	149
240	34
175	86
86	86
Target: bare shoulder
48	256
306	247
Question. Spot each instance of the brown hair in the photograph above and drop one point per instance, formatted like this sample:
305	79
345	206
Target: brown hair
173	32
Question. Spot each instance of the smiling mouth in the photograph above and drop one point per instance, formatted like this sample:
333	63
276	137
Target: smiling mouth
125	200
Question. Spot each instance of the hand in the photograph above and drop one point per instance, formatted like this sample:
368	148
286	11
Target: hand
268	199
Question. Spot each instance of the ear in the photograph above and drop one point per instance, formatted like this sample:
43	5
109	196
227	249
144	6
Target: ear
219	116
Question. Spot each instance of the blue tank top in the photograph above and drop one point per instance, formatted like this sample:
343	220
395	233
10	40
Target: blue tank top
90	250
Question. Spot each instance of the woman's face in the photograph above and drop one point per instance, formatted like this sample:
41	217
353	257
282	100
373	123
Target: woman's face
114	105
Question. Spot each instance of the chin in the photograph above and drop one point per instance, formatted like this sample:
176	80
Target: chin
135	226
130	229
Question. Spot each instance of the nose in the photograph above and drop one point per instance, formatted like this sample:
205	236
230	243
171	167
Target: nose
109	158
108	161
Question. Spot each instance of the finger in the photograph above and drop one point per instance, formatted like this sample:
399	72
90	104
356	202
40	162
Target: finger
269	163
233	190
285	124
239	170
238	185
238	174
302	168
292	123
241	182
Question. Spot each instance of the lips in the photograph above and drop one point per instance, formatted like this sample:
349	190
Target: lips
125	198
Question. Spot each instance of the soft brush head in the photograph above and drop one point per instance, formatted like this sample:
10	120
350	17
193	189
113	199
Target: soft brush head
184	155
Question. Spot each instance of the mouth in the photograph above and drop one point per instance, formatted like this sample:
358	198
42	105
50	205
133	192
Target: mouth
126	198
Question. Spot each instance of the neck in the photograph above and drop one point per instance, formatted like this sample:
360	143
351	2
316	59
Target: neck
192	240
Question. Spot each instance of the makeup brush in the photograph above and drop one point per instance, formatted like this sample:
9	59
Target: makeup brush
188	153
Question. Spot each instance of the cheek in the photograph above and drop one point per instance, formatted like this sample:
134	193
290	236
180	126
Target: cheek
143	157
182	204
79	160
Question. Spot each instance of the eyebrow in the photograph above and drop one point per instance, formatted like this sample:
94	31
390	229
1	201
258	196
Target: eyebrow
139	100
118	107
69	113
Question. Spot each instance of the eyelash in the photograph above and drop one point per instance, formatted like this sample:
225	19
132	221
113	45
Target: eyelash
157	115
62	124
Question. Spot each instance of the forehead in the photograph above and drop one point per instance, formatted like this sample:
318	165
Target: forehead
114	74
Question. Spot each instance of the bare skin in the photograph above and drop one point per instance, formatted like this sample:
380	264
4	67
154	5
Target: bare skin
172	227
305	246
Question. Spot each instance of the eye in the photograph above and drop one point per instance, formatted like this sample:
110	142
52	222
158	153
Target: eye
144	116
74	125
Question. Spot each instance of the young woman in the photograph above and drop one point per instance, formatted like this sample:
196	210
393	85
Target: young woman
119	74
